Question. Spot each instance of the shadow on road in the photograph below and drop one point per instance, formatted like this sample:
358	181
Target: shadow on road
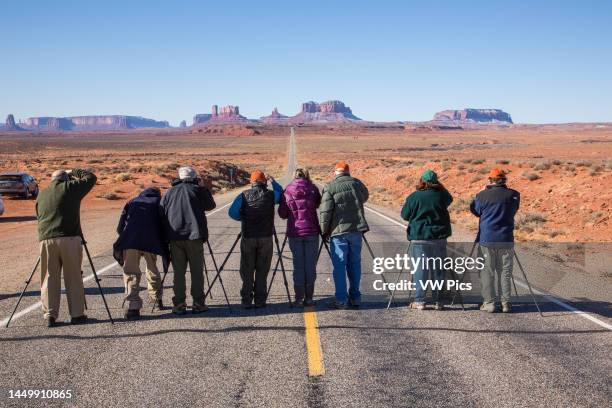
17	219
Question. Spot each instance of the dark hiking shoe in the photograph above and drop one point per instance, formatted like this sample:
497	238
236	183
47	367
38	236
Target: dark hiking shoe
354	303
308	303
50	322
179	309
132	314
78	320
337	305
199	308
247	304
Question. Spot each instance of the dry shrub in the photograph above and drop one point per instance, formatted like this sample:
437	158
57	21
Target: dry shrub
121	177
531	176
478	161
584	163
542	166
109	196
529	222
503	161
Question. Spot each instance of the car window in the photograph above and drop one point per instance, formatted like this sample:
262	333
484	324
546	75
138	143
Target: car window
10	178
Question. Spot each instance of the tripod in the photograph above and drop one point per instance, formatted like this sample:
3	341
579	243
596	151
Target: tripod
397	281
511	277
93	270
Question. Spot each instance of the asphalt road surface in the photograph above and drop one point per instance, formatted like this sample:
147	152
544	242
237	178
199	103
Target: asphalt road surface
287	357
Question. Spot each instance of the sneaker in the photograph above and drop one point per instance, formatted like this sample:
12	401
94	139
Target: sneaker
417	305
50	321
438	306
199	308
180	309
337	305
506	307
354	303
488	307
132	314
78	320
308	303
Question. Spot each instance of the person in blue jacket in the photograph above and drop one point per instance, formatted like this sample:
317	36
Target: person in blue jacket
141	236
254	208
496	207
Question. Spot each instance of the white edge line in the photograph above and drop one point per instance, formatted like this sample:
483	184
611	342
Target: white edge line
524	286
107	268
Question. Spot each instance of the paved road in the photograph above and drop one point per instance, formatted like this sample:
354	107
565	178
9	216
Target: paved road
262	358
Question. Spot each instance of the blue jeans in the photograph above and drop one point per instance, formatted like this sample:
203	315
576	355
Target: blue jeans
432	269
346	259
304	250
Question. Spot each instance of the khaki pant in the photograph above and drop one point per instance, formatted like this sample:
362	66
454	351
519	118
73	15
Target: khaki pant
132	275
57	254
498	264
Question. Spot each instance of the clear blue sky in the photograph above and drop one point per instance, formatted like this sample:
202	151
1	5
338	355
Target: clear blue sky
541	61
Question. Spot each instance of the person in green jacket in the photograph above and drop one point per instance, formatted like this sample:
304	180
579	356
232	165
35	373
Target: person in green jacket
343	222
58	210
426	211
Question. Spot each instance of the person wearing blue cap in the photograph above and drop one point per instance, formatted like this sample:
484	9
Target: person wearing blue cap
426	211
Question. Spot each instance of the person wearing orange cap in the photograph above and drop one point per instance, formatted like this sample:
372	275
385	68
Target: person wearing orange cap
342	221
254	208
496	207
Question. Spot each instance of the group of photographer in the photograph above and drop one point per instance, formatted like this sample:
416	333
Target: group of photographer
174	227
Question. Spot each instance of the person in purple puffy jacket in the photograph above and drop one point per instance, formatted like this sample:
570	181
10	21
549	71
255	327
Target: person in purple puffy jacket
298	206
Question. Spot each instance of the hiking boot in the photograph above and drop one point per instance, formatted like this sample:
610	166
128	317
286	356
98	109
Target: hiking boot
308	303
132	314
51	321
337	305
417	305
488	307
354	303
78	320
299	302
199	308
180	309
438	306
506	307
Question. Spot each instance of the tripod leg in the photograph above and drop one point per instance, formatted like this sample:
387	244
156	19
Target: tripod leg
382	275
277	264
218	275
206	272
85	299
93	270
212	256
280	257
463	278
527	281
514	284
399	277
23	292
458	291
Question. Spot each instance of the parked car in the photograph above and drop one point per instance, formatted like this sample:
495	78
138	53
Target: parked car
21	184
1	205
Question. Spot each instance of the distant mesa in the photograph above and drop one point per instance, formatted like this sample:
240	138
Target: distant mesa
89	123
275	118
10	124
473	116
183	124
227	114
325	112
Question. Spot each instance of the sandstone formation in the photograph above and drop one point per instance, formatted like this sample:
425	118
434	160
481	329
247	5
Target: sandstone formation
473	116
183	124
227	114
325	112
10	123
92	123
275	118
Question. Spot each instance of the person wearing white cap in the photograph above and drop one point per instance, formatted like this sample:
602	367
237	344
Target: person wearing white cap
185	226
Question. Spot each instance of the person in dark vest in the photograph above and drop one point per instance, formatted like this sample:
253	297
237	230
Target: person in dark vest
254	208
496	207
183	209
141	236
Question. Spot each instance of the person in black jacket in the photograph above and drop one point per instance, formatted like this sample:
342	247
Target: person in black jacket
183	208
496	207
141	236
255	209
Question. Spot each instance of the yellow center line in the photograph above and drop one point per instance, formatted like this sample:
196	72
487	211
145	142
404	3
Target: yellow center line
316	367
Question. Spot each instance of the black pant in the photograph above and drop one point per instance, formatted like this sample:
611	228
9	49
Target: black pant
255	261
